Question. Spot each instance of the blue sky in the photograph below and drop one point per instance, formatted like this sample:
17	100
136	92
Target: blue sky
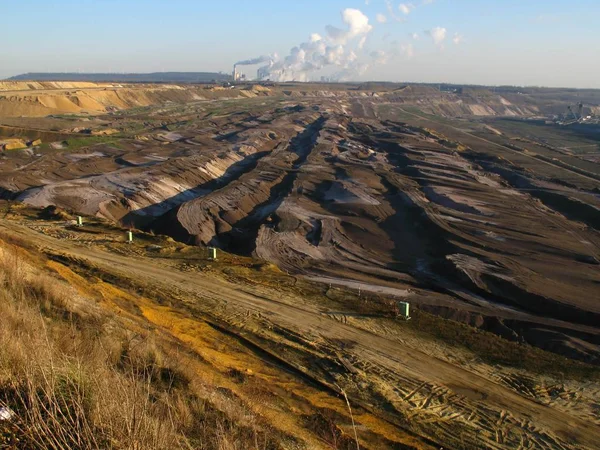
533	42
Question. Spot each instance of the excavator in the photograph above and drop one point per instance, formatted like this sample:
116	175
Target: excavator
579	114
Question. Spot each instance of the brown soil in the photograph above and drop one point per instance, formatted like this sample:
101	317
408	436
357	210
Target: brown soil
359	189
396	379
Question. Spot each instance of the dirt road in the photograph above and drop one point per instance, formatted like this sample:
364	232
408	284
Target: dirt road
473	401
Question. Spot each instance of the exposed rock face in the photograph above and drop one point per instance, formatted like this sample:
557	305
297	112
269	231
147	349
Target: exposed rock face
338	186
38	99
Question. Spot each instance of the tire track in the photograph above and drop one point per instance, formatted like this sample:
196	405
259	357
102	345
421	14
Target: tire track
396	365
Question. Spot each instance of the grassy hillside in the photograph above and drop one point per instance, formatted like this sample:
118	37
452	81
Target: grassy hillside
80	377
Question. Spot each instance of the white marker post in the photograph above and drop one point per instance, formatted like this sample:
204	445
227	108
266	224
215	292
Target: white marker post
404	310
212	253
79	221
129	237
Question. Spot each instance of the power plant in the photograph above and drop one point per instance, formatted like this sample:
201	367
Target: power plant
238	76
263	73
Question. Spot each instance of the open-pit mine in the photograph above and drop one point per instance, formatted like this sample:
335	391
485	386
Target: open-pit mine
330	207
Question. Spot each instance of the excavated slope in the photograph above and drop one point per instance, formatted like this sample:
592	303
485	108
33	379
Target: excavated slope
326	188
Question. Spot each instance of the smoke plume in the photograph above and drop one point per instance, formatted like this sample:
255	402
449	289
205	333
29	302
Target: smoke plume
342	53
251	62
338	49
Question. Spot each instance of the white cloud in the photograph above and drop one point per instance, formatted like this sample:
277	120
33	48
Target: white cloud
404	50
381	18
427	2
379	57
458	38
341	49
358	25
392	12
406	8
414	36
357	21
408	50
438	34
362	42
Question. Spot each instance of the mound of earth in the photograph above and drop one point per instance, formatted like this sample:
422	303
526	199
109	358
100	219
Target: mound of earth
348	186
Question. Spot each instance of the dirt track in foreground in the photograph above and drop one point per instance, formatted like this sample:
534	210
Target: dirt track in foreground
446	402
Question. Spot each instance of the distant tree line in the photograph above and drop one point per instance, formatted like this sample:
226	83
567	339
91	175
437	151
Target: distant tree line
157	77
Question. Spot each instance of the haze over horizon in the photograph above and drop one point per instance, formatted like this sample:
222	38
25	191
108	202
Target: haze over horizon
497	43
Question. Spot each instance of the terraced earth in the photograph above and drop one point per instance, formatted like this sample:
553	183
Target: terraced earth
382	193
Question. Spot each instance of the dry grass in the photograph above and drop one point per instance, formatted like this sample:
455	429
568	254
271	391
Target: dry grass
78	378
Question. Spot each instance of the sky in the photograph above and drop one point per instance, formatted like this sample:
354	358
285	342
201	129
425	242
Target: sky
491	42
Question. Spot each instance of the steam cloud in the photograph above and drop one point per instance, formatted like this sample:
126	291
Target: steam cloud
341	52
251	62
340	48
